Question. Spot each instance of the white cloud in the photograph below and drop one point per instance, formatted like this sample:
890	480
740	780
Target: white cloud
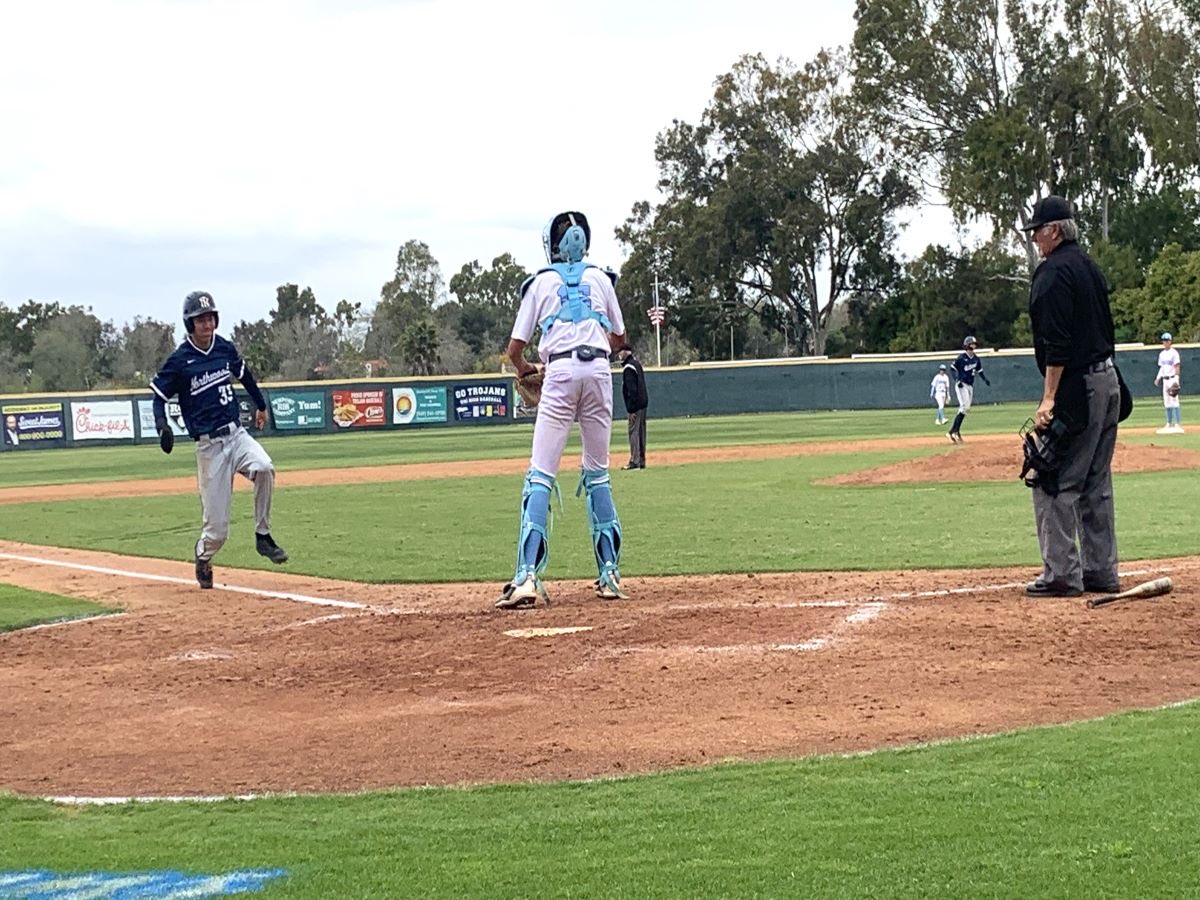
155	146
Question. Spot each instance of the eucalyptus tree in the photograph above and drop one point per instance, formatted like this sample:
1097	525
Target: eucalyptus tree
777	204
996	102
402	325
487	301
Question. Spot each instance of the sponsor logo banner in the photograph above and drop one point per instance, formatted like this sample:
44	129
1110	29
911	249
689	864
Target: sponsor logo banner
27	424
146	419
414	405
487	400
293	410
359	409
103	420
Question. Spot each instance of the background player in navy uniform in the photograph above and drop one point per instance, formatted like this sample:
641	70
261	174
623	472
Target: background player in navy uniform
201	372
966	367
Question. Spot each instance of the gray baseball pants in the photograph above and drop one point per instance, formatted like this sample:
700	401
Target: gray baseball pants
217	460
1083	507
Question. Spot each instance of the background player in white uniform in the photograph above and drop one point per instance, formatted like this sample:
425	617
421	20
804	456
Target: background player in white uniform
200	372
1170	368
939	391
575	306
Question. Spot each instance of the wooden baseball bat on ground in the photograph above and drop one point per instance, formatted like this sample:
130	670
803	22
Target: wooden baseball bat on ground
1155	588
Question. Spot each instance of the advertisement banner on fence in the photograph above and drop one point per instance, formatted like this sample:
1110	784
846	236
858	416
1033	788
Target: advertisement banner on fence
146	419
359	409
413	406
481	401
33	425
293	410
101	420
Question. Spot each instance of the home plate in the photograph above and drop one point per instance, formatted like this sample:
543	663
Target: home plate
546	632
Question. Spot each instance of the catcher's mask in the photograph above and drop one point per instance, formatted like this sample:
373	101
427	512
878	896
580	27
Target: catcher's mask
566	238
197	304
1044	451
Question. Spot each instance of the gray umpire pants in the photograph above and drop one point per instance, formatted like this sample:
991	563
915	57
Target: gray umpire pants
217	459
1083	507
637	438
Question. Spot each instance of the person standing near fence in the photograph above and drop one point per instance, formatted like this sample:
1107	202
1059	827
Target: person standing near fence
637	400
1170	368
939	392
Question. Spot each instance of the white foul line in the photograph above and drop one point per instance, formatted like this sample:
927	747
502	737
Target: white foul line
171	579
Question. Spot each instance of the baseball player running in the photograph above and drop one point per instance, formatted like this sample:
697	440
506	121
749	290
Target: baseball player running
200	372
575	306
939	392
966	367
1170	367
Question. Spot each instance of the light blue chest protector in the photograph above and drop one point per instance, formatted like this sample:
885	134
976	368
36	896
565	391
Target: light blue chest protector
574	296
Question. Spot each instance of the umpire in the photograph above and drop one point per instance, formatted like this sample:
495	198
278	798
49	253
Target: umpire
1073	344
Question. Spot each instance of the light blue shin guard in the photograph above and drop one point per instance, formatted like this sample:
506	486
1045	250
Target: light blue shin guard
606	527
533	544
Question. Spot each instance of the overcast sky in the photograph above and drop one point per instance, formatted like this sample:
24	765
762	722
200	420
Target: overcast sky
154	147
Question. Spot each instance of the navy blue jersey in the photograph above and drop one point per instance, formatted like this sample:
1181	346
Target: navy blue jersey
203	381
966	367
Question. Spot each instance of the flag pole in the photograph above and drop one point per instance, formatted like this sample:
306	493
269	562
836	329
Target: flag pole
657	324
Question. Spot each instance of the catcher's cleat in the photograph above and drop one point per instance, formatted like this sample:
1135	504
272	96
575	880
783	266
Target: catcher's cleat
523	596
608	587
267	547
204	576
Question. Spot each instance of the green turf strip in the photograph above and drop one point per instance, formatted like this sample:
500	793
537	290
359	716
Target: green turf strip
1098	809
750	516
372	448
20	608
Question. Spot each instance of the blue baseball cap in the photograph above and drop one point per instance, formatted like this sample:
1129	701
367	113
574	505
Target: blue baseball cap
1166	336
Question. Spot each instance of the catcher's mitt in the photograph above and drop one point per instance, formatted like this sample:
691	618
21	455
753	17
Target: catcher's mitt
1173	389
529	386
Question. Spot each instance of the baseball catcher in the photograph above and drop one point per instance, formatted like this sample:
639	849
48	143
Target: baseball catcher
529	386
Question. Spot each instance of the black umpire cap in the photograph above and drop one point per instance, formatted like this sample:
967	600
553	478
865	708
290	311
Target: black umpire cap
1049	209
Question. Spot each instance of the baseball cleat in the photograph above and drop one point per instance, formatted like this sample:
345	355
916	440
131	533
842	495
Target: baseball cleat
267	547
609	588
523	596
204	576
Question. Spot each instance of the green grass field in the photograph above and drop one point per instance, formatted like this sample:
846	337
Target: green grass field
20	608
1096	809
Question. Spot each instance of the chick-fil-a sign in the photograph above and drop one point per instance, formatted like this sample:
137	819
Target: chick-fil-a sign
103	420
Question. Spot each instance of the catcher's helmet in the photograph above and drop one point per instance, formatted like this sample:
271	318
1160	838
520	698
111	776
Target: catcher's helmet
197	303
969	341
566	237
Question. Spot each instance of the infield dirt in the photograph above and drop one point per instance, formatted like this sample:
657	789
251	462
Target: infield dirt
215	692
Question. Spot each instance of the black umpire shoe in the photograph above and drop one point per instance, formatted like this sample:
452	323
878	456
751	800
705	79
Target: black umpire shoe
1041	588
204	572
268	548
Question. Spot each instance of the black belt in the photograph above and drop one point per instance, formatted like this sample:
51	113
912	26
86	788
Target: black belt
227	428
584	353
1102	366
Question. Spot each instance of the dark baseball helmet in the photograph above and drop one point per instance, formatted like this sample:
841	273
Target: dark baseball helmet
197	303
969	341
567	237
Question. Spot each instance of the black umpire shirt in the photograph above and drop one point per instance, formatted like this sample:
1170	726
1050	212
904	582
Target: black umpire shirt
1068	311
